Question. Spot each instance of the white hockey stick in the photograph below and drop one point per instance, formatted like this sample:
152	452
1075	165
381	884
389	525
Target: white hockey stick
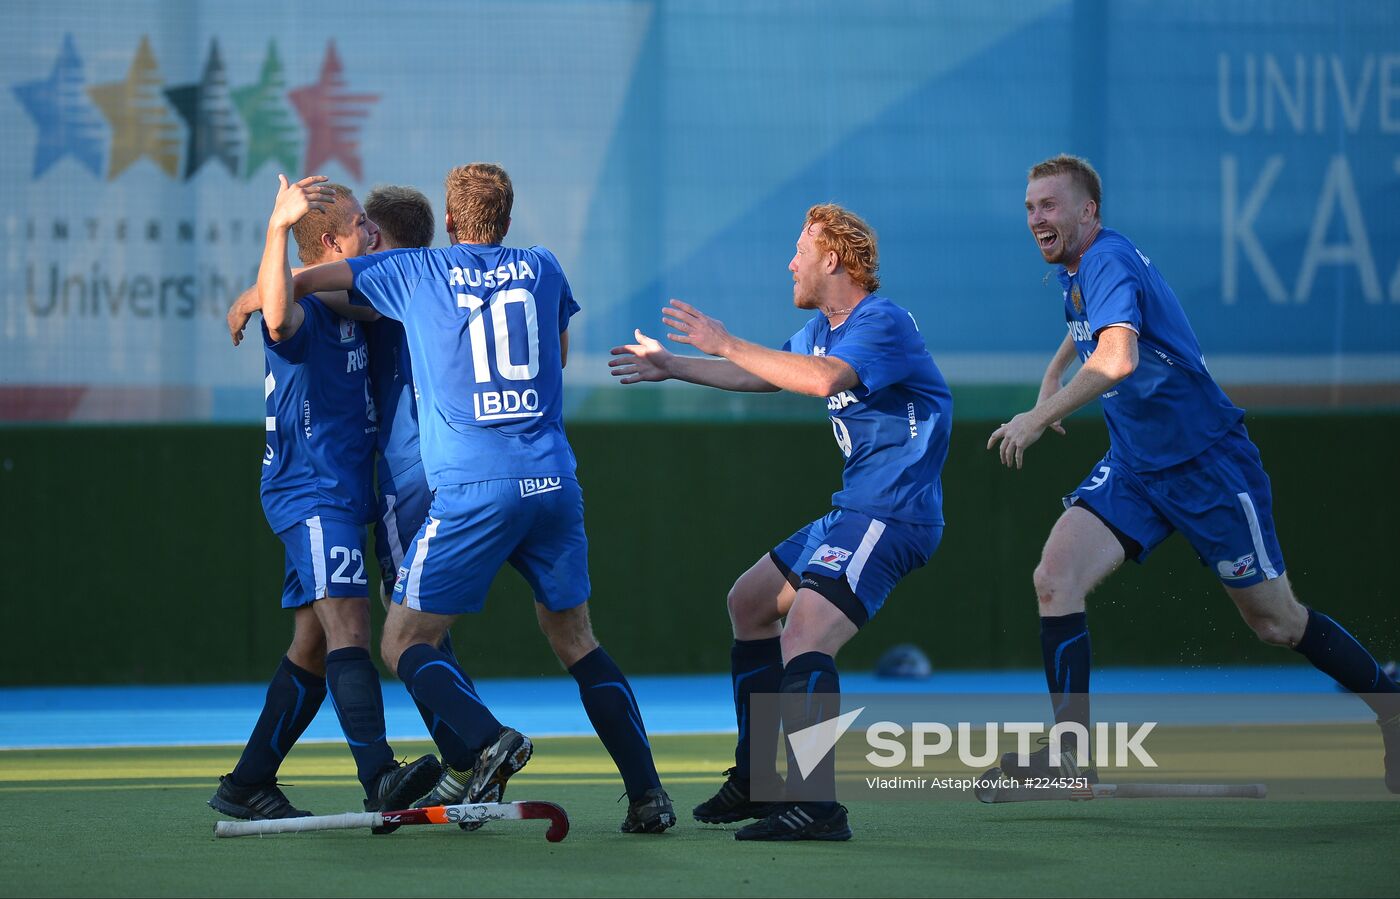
438	814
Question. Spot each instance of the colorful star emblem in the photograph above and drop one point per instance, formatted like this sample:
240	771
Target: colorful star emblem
333	117
141	122
208	113
271	132
68	125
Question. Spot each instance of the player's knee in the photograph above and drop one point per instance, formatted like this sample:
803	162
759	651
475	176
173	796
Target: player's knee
1051	587
745	610
1273	630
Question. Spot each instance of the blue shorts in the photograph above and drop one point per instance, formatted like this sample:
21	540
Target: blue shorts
854	560
403	507
1220	501
535	524
325	557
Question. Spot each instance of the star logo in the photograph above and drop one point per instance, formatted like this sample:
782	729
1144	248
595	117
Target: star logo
68	125
333	117
208	113
141	122
271	132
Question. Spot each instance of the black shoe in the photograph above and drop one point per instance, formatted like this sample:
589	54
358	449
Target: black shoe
400	786
790	821
731	803
652	813
1038	765
496	764
1390	733
253	803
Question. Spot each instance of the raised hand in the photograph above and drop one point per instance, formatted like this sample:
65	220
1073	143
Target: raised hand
296	200
645	360
708	335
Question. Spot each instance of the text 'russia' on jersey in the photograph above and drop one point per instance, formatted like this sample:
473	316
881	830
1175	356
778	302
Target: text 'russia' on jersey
484	325
893	427
321	422
1169	409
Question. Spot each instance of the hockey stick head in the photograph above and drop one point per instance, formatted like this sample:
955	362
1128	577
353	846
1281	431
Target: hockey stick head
556	816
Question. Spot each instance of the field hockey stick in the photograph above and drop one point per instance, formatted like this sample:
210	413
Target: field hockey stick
437	814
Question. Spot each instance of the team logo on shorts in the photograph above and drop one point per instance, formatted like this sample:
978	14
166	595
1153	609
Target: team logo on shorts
832	557
1233	571
532	486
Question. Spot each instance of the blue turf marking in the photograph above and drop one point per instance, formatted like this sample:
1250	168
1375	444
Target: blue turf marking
35	717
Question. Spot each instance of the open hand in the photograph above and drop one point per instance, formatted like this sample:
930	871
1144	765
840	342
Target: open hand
708	335
1016	436
645	360
296	200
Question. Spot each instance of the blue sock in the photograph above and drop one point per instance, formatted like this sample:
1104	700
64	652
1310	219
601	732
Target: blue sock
811	693
756	666
294	696
359	704
453	751
611	707
1337	654
435	680
1064	642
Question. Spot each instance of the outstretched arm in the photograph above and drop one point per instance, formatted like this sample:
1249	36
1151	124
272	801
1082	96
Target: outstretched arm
1113	360
809	375
281	314
648	360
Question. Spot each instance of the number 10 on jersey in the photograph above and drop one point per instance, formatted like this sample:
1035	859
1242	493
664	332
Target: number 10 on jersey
499	303
504	403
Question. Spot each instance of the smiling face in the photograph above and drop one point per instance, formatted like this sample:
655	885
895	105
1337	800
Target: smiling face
808	269
361	235
1060	215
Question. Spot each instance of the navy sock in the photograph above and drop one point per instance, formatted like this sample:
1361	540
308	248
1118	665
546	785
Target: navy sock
359	704
1337	654
611	707
1064	642
294	696
435	680
756	666
454	752
811	693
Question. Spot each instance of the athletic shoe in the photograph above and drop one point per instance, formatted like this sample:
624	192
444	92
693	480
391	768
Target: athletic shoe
652	813
1038	765
451	789
790	821
731	803
496	764
253	803
1390	732
398	787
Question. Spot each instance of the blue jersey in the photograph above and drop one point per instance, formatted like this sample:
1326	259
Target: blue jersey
893	426
320	422
391	385
483	325
1170	409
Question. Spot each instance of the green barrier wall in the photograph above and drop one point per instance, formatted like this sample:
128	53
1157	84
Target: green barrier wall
140	554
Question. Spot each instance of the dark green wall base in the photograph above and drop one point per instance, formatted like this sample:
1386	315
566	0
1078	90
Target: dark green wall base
140	554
